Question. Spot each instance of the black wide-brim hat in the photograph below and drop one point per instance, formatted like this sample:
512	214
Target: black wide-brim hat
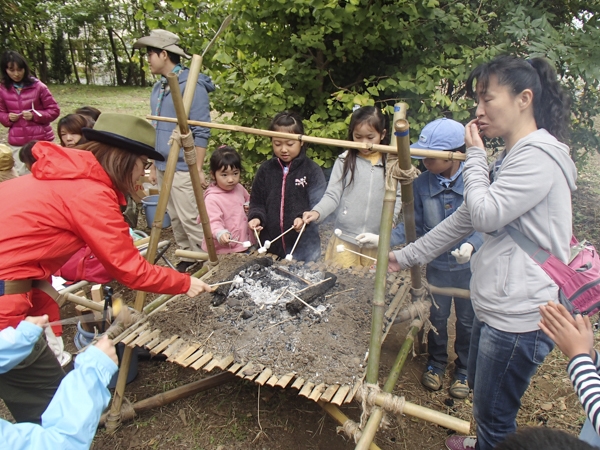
129	133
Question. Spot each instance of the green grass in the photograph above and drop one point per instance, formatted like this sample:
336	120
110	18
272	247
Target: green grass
125	100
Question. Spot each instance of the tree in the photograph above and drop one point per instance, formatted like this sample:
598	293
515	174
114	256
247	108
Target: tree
60	68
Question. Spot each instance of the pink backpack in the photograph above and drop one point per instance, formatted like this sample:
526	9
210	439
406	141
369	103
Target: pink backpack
578	281
83	265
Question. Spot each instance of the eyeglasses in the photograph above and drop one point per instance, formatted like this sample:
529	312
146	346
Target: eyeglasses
147	164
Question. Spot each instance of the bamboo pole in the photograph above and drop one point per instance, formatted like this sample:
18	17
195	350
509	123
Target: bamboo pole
385	230
114	416
437	154
189	154
339	417
377	413
450	291
172	395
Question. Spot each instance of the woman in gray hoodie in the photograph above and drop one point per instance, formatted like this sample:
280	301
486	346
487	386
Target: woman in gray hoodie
529	189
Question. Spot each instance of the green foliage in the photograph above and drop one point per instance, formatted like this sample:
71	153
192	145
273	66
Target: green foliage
321	57
60	68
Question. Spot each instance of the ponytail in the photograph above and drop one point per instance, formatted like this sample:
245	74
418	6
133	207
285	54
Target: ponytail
550	103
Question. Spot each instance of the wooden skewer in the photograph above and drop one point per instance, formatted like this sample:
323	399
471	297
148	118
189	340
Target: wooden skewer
306	304
235	280
296	243
315	284
337	293
282	234
257	238
356	253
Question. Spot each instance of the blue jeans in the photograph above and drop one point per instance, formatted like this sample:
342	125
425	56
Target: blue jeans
588	434
437	344
501	365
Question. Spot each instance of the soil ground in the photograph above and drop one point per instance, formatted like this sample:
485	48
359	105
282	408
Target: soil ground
242	415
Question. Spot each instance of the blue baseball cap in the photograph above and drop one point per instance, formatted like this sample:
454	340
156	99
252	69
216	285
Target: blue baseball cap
442	134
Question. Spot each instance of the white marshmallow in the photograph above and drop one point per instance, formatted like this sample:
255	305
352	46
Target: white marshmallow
267	244
337	232
289	257
340	248
262	250
247	244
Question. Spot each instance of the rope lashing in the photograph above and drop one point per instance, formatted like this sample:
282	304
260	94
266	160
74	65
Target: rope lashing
350	429
363	394
395	172
187	142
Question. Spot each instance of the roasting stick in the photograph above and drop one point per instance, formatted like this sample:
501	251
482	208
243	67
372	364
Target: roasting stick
342	248
268	243
306	304
236	280
257	238
314	284
246	244
290	256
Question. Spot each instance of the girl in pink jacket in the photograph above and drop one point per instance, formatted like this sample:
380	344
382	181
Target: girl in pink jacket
26	105
226	203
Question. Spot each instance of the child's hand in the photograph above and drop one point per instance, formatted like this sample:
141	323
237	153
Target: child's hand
573	336
368	239
107	346
246	207
40	321
310	216
393	265
254	224
224	238
298	224
472	136
27	115
13	117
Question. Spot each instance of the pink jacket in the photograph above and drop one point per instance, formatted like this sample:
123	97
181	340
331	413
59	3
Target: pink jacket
22	131
226	213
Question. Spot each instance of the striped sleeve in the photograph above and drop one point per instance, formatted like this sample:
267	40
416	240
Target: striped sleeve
586	381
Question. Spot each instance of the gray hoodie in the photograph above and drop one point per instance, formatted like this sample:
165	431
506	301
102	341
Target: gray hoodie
358	206
531	192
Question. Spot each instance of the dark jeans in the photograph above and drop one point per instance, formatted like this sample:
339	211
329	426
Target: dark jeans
501	365
437	344
28	388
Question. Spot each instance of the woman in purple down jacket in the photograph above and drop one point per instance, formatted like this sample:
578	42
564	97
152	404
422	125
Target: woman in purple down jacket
26	105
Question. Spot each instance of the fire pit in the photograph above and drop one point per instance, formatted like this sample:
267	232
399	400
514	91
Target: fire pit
287	323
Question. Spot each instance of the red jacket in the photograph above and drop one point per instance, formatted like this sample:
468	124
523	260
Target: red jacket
68	202
22	131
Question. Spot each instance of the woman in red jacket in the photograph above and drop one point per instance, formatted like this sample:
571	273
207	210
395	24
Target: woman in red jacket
72	199
26	105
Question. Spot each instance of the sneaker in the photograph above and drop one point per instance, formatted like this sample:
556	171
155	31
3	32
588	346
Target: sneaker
183	266
459	387
455	442
432	379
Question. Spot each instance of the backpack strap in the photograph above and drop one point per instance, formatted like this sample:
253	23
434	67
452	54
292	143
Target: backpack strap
537	253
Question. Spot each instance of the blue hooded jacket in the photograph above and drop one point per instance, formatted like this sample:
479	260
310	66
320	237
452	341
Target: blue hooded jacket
200	111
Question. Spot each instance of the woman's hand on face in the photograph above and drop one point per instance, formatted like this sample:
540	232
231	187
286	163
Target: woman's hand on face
197	286
573	336
310	216
107	346
27	115
40	321
472	136
13	117
254	224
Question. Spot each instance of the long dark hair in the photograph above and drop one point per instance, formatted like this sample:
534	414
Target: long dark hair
11	57
550	103
378	121
225	157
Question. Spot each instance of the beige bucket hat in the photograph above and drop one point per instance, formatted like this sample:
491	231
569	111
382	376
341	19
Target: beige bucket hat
6	158
163	39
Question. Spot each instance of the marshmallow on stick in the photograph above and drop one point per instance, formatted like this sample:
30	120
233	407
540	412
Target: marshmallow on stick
339	233
342	248
290	256
237	281
246	244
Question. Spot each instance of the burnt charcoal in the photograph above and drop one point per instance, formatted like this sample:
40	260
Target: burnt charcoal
311	294
247	314
220	295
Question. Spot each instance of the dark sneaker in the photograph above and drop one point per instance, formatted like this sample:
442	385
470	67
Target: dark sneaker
183	266
459	388
432	379
455	442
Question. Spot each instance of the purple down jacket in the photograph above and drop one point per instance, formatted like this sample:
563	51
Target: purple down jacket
22	131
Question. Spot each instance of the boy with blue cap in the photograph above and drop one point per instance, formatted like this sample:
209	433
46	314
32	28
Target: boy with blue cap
438	193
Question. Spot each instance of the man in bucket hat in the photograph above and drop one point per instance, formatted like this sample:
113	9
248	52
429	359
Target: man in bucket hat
164	57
